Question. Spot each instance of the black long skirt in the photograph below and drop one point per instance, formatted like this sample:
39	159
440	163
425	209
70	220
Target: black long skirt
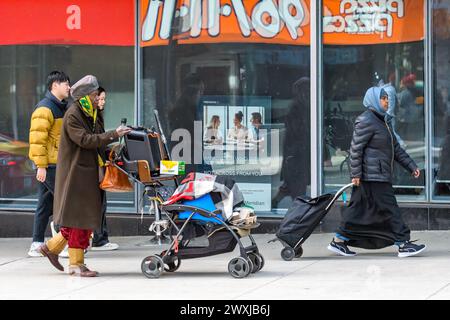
373	218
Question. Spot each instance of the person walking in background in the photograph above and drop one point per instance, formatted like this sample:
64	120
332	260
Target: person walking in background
373	219
183	115
45	131
100	242
295	174
78	176
410	115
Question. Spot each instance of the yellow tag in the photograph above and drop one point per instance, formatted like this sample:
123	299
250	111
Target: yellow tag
172	167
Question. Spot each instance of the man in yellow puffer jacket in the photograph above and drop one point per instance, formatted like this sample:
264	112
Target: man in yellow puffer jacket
45	131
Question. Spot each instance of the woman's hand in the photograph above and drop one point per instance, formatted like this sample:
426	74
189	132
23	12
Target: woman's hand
123	130
356	181
416	173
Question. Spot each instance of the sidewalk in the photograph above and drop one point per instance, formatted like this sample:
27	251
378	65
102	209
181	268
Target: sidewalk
319	274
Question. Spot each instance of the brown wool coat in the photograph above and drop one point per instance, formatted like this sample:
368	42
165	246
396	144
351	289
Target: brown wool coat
77	200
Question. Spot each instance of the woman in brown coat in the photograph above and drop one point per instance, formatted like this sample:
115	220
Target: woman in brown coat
78	202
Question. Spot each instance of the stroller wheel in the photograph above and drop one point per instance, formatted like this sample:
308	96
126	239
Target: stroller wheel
257	260
262	260
173	265
171	262
240	267
152	267
288	253
298	252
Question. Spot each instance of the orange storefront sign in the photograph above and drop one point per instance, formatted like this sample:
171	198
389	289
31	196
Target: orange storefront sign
369	22
345	22
71	22
218	21
111	22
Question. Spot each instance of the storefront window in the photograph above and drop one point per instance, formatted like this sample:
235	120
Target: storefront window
367	46
79	44
242	94
441	99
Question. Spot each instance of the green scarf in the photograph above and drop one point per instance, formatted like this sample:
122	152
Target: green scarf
88	109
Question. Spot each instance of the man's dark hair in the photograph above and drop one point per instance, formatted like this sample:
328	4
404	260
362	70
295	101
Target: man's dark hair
257	116
56	76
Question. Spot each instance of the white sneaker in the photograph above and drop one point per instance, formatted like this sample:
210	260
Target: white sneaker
34	249
65	252
106	247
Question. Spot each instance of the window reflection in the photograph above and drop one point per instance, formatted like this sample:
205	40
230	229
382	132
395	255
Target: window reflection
441	98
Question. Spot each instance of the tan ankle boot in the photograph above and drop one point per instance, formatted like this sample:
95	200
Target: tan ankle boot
52	248
82	271
57	243
77	266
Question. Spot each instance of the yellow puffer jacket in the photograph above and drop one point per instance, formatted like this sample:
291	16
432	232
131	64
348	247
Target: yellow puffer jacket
45	132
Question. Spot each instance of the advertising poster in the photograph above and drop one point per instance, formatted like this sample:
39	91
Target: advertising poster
239	141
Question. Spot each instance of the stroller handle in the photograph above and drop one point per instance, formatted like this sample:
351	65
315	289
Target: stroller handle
338	194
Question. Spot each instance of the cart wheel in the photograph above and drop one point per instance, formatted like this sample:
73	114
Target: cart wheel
257	260
152	267
288	253
239	267
298	252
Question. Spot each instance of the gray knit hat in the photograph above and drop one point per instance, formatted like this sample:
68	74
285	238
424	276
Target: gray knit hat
83	87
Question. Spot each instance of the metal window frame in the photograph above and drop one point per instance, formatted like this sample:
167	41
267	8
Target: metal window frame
428	91
316	65
138	105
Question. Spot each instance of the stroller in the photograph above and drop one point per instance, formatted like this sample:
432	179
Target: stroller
203	205
301	219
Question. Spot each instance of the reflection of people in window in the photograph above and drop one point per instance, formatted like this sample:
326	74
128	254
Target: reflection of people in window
295	170
212	133
183	115
392	97
239	132
254	133
443	109
409	115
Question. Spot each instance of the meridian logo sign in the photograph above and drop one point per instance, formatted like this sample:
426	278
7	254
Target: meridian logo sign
200	21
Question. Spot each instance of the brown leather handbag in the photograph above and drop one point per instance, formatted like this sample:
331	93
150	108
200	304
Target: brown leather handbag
115	180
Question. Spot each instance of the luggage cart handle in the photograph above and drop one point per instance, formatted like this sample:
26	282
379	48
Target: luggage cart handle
338	194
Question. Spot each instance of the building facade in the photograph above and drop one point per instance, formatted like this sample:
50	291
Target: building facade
265	91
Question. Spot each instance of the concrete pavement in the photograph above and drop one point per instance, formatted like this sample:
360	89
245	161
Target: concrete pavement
319	274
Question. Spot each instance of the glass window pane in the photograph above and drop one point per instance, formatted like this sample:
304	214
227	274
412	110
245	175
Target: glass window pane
441	98
248	90
83	42
374	49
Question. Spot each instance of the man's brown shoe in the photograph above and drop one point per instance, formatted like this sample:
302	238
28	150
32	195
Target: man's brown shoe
82	271
51	256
